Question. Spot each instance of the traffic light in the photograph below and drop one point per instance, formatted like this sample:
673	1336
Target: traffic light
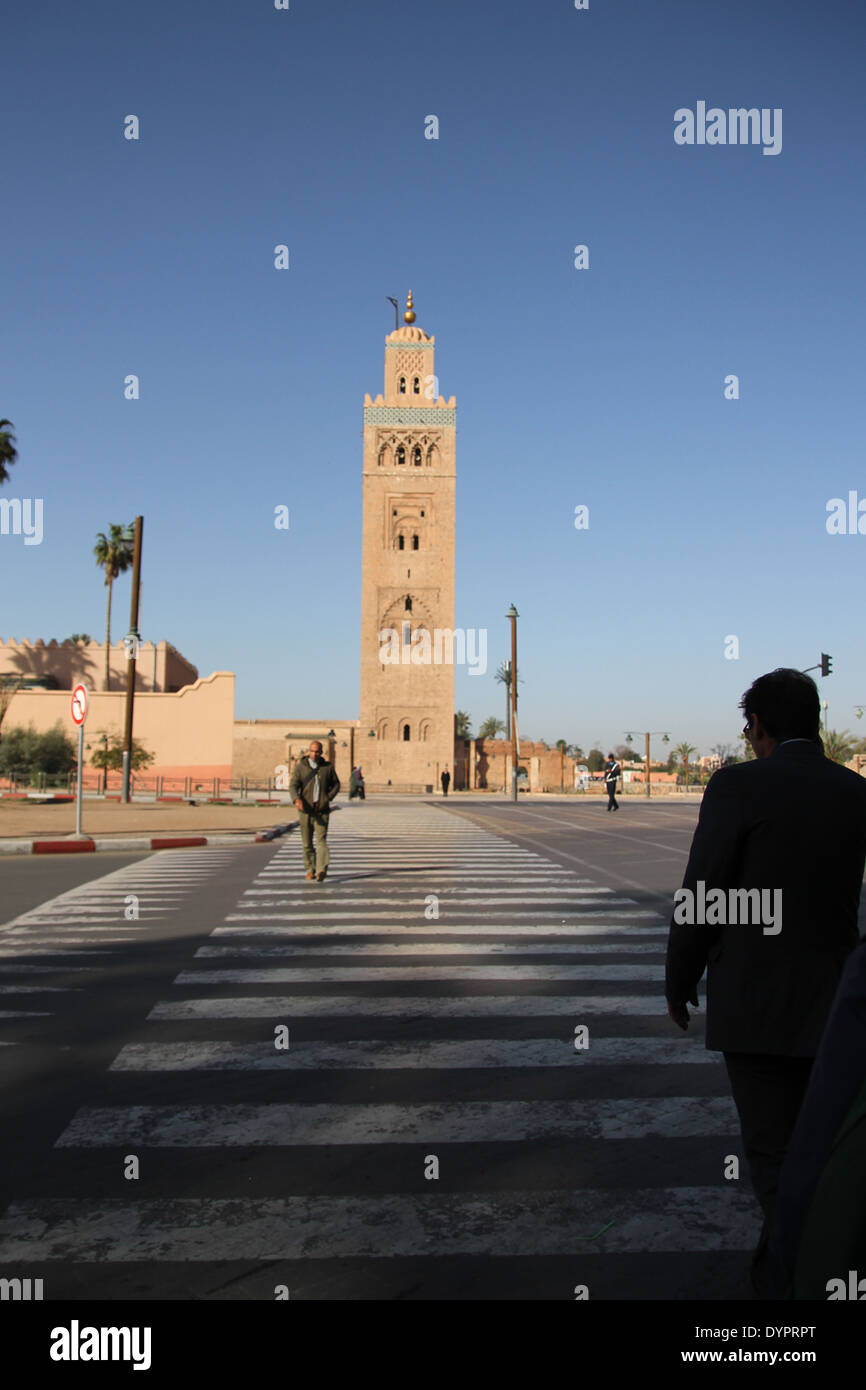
826	664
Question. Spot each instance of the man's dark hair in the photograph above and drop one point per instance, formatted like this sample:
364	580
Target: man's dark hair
786	702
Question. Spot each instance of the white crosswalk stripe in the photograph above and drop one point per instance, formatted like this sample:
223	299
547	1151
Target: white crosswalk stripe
463	1053
480	1122
671	1220
408	1007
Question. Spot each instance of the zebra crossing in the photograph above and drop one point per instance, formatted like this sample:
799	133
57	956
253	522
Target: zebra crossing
395	1043
80	933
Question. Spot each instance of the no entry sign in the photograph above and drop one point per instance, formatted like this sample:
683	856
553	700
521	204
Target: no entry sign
79	704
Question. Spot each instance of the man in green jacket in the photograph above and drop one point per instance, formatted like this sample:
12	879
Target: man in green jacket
313	785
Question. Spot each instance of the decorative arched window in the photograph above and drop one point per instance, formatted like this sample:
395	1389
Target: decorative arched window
401	541
401	454
402	386
432	456
414	542
424	730
416	386
416	456
383	728
408	604
405	733
383	455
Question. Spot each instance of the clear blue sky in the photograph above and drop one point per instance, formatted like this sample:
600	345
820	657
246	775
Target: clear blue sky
602	387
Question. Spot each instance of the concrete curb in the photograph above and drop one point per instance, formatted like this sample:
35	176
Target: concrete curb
143	842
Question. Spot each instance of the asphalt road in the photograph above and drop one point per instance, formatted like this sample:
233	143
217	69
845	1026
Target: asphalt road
430	1131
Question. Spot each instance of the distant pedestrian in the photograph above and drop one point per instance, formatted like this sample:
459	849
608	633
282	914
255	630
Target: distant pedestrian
445	779
789	828
611	773
356	784
313	785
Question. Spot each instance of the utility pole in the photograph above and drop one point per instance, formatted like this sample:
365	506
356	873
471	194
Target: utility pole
132	641
513	615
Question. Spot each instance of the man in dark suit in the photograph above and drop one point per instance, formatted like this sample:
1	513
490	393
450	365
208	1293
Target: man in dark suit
792	825
819	1230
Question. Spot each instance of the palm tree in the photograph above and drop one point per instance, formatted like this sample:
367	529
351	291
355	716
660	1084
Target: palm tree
838	747
684	751
114	554
80	637
462	724
491	728
503	675
8	452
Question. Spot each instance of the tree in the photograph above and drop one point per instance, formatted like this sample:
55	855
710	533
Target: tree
8	452
25	753
624	753
595	760
462	724
491	728
80	638
724	752
684	752
838	747
9	687
110	755
114	554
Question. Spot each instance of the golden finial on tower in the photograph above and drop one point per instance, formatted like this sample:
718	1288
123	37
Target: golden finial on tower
409	315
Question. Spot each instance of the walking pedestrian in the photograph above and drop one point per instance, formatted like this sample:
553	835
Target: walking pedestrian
313	785
356	784
611	773
791	824
445	780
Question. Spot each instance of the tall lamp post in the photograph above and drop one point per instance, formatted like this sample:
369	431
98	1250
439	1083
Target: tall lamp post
131	642
665	739
512	616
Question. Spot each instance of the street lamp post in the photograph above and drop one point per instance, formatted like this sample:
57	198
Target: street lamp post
665	739
513	615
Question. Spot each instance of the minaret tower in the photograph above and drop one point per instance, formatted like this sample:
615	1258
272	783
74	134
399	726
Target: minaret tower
407	573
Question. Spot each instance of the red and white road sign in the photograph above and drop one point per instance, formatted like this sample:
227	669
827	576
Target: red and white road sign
79	704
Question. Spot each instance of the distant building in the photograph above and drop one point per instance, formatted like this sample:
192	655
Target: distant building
406	733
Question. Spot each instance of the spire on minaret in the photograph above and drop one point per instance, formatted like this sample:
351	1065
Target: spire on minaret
409	315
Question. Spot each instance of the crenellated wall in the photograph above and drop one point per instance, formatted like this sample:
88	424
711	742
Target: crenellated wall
159	666
189	731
